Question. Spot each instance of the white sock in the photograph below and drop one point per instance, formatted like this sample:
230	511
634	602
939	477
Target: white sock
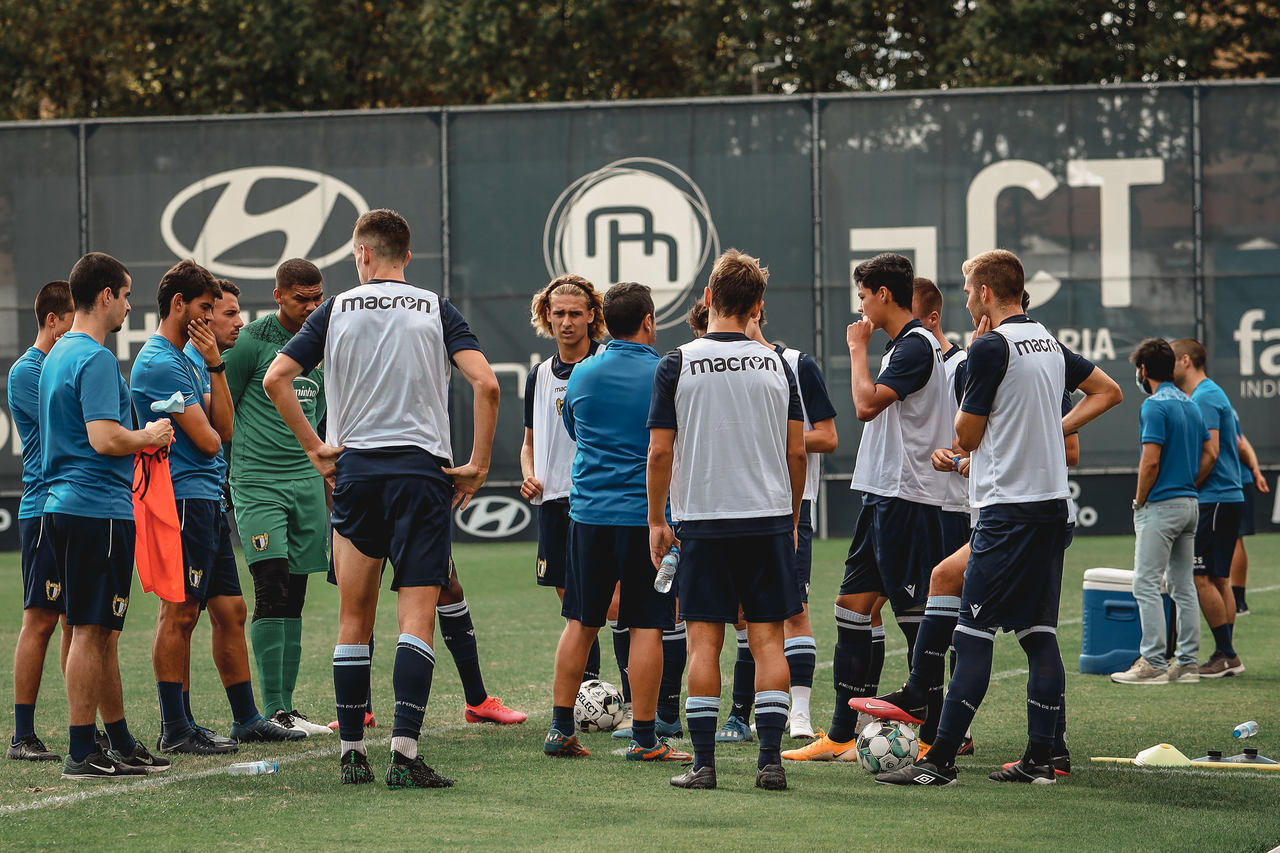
406	746
800	700
357	745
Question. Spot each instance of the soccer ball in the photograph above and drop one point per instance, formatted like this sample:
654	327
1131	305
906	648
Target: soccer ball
885	746
598	707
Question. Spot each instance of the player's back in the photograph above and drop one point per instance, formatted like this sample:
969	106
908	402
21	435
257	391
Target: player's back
24	407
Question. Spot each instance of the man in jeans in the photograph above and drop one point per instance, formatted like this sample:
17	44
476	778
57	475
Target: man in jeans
1175	454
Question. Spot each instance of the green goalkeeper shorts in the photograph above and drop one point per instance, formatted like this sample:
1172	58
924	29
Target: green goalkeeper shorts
285	519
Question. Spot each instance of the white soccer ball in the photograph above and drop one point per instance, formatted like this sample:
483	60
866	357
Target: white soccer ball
598	707
885	746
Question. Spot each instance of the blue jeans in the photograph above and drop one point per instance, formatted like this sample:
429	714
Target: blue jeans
1165	548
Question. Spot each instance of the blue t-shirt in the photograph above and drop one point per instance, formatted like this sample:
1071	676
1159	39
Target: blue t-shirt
160	370
206	386
81	382
1223	485
24	408
605	406
910	365
1169	418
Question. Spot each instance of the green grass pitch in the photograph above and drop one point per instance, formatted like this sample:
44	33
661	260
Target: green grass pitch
509	795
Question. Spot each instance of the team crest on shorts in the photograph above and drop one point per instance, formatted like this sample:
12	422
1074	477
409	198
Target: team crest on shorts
52	589
260	541
119	606
194	576
542	568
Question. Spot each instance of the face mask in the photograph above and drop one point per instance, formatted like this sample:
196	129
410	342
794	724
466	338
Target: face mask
1145	386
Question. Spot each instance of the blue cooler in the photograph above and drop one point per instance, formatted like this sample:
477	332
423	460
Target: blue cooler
1112	631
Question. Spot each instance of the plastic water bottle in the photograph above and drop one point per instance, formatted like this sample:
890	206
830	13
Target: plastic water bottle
667	571
1243	730
253	768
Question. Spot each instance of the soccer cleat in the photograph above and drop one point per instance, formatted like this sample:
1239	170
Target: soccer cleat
801	727
140	758
1061	764
195	744
1021	771
31	748
922	773
662	751
413	773
1221	666
899	707
559	745
369	722
300	721
734	730
214	736
661	728
98	765
100	738
771	777
491	710
702	779
1142	672
966	746
355	768
260	730
824	748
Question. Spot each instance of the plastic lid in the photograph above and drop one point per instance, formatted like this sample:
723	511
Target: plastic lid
1103	575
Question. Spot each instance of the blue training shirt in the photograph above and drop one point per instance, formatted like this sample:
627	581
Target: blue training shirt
605	406
1169	418
206	388
24	408
1223	485
81	382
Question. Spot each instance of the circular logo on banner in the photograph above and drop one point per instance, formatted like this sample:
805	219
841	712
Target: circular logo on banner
493	517
637	219
232	221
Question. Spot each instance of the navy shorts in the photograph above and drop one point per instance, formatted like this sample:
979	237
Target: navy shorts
955	531
553	542
716	576
41	585
95	565
804	551
405	519
1014	576
1247	526
207	556
896	544
600	558
1216	539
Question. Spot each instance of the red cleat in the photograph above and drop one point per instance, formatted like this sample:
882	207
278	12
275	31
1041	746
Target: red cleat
369	722
882	710
491	710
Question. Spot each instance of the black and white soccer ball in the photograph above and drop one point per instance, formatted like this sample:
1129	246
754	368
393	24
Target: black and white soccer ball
598	708
885	746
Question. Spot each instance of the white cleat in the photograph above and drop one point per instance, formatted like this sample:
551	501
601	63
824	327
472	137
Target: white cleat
801	727
299	721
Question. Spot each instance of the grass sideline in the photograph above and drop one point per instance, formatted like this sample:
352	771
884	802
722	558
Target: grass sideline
509	795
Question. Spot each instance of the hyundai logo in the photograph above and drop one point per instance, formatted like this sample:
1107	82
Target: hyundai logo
230	222
493	517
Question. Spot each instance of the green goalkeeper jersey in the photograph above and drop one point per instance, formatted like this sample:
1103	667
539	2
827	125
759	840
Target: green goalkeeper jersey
263	448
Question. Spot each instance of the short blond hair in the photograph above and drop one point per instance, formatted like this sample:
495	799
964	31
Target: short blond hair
566	285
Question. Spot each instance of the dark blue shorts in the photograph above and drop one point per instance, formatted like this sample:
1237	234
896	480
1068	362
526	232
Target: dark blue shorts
1216	538
716	576
804	550
896	544
41	585
955	531
95	565
1014	576
553	542
600	558
405	519
1247	525
207	555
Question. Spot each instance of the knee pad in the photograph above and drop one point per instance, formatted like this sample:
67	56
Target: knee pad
297	596
271	582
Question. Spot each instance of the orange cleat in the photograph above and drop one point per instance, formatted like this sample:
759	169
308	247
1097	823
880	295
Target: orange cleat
491	710
369	722
824	749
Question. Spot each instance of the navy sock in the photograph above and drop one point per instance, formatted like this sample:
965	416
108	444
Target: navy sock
1045	684
411	681
350	687
82	743
622	655
851	659
929	661
909	625
1222	639
592	670
675	653
368	702
772	708
802	659
24	719
871	684
702	714
1060	731
174	724
744	679
118	733
562	719
974	647
642	732
459	635
186	707
243	708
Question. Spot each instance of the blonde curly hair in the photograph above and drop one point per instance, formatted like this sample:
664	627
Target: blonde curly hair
566	285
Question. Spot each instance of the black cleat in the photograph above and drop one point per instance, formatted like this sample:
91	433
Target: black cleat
1062	764
195	743
922	774
702	779
413	773
101	739
98	765
355	768
771	777
221	740
31	748
140	758
1021	771
265	731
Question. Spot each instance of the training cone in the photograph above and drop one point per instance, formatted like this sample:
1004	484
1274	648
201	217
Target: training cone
1161	755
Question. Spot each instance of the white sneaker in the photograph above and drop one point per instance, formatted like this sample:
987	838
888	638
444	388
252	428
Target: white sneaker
801	727
1142	672
300	721
628	718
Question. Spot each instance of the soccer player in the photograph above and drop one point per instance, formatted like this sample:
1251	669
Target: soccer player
726	443
42	591
898	538
1011	423
387	346
279	498
1251	479
1176	452
605	405
87	460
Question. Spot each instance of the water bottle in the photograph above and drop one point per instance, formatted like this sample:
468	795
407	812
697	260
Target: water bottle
667	571
1243	730
253	768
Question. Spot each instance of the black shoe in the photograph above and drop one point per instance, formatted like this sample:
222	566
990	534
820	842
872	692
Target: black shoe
31	748
702	779
221	740
1021	771
195	743
355	768
413	773
100	738
1062	764
771	777
966	746
262	730
922	773
98	765
140	758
